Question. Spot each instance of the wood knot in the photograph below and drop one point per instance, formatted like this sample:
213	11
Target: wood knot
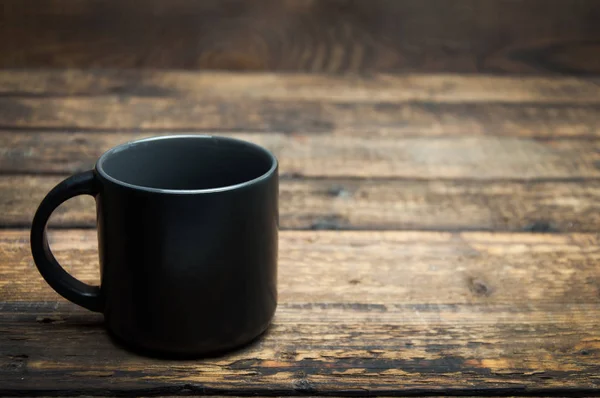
539	227
304	386
354	281
50	319
329	222
287	355
17	362
479	287
338	191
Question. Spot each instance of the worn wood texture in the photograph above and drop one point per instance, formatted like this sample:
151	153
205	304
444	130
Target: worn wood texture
537	206
372	267
347	88
481	158
361	313
523	36
511	314
386	106
394	119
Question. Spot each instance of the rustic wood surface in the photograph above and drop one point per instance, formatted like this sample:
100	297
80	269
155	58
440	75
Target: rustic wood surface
497	36
367	204
360	312
440	232
381	105
480	158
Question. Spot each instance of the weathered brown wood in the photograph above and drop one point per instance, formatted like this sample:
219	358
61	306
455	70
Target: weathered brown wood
289	87
382	105
318	349
352	119
522	36
480	158
367	312
372	267
361	312
553	206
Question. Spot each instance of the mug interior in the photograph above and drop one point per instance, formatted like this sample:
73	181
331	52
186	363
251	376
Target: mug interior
187	163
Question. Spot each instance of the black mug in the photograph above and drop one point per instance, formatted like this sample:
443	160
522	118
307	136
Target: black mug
187	237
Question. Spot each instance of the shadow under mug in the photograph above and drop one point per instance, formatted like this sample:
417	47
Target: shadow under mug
187	238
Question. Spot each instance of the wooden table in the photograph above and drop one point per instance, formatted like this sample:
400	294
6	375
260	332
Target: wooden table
439	233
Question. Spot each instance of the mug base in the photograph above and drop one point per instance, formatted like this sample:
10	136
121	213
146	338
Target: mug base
180	353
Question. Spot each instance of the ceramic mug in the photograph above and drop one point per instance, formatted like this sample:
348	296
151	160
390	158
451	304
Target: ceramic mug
187	237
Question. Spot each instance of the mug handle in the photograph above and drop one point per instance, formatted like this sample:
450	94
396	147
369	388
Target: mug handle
82	294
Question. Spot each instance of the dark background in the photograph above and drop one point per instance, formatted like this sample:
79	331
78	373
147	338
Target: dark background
463	36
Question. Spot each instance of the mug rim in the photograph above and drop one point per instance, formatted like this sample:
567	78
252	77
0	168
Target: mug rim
126	145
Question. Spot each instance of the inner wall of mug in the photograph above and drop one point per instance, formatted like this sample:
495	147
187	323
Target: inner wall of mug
186	163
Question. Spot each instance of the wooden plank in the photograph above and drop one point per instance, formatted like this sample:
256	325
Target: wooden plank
372	267
319	350
514	36
480	158
555	206
353	119
290	87
382	105
360	312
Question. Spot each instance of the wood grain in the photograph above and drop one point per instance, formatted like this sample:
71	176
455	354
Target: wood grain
480	158
290	87
361	312
382	105
511	314
372	267
155	115
320	349
551	206
522	36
